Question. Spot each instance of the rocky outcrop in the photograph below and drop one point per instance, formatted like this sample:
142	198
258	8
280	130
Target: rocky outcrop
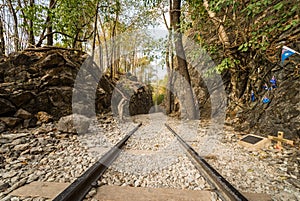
138	96
74	123
45	80
282	113
37	80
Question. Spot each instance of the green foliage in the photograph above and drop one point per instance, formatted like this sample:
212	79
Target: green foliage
196	10
252	26
212	49
74	17
218	5
37	14
254	43
158	98
226	63
269	20
159	92
256	7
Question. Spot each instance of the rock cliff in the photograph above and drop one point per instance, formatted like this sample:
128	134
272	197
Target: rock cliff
43	79
282	113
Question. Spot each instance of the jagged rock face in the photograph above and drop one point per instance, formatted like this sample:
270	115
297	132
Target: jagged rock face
202	93
43	79
39	80
281	114
141	102
138	94
283	111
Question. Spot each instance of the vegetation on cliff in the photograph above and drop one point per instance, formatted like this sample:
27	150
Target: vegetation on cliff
243	38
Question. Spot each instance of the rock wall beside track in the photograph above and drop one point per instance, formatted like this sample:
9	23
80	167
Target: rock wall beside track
42	79
282	113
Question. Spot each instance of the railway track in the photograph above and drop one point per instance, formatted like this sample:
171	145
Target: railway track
81	186
89	179
222	187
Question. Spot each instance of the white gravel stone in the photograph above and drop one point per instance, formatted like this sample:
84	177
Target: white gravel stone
74	124
152	158
14	199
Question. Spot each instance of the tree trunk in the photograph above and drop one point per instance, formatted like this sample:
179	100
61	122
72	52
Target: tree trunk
187	100
169	99
31	40
118	60
49	28
101	57
15	18
218	23
132	61
169	56
105	45
49	23
77	41
2	40
25	20
114	55
95	31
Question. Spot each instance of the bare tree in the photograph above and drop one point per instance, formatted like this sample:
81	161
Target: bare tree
15	18
218	23
31	40
49	23
188	99
2	40
170	67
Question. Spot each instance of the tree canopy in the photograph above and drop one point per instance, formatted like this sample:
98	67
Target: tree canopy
234	33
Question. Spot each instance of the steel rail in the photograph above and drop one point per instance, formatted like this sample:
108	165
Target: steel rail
82	185
223	188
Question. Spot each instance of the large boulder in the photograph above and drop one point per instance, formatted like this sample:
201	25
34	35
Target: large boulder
10	122
47	79
74	124
138	95
23	114
6	107
40	80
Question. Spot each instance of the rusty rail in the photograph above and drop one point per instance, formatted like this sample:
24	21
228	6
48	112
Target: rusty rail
222	187
82	185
